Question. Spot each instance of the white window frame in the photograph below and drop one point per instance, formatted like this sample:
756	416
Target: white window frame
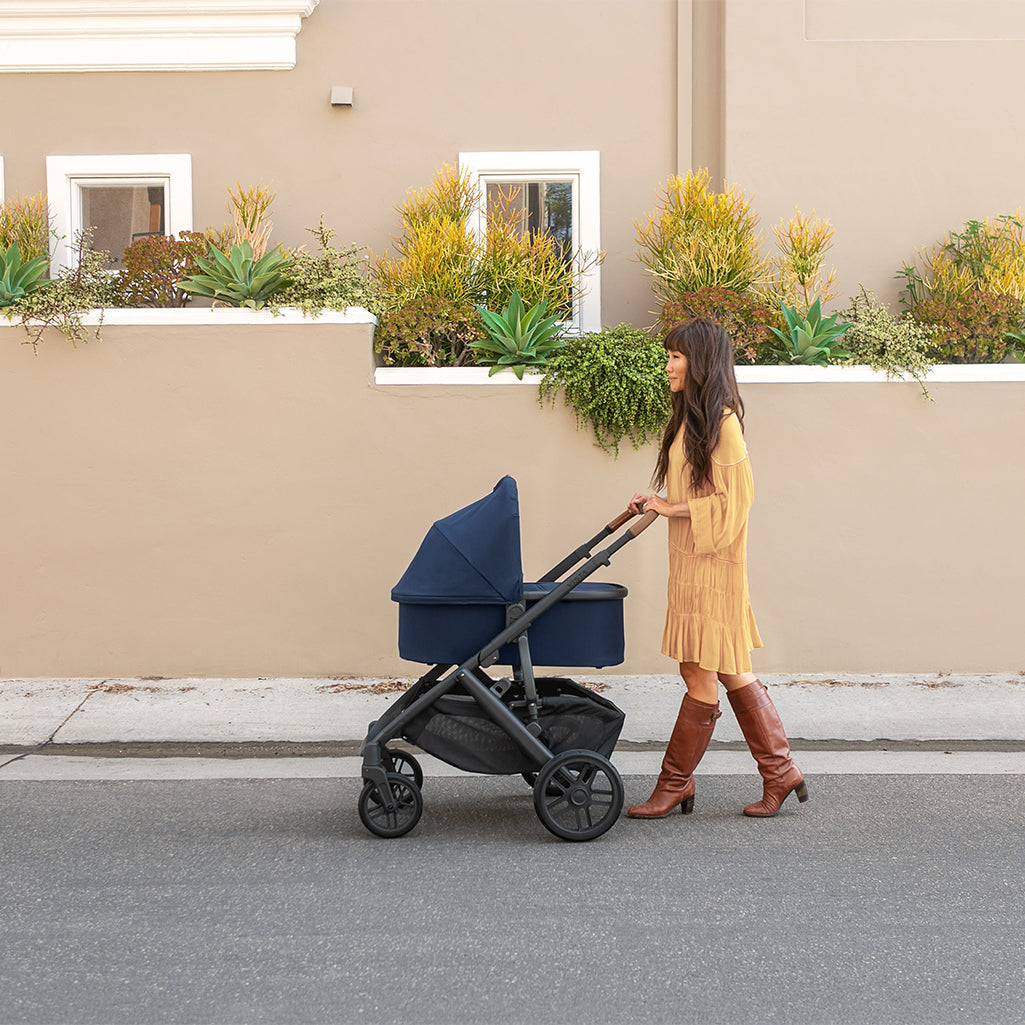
579	166
66	174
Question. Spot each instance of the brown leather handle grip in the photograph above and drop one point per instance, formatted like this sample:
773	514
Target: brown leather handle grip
643	523
622	518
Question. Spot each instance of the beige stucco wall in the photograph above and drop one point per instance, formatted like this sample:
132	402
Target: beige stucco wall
238	502
896	120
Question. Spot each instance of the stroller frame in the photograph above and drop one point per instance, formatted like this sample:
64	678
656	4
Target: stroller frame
578	794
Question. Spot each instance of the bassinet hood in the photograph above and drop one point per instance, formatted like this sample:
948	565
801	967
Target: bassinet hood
471	557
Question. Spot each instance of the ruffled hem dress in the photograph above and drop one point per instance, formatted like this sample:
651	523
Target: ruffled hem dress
709	618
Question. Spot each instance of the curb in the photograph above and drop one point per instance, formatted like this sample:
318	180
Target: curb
836	708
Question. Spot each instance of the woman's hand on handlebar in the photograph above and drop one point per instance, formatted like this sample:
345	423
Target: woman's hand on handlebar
636	505
642	503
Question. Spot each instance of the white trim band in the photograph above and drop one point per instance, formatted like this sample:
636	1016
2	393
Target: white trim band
150	35
205	316
953	373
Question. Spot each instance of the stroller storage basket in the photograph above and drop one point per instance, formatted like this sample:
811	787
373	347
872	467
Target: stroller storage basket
455	729
584	629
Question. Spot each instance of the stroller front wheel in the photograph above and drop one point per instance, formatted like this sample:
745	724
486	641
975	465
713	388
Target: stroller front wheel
578	795
392	813
406	765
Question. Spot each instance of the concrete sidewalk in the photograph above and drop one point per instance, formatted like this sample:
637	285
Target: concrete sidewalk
66	713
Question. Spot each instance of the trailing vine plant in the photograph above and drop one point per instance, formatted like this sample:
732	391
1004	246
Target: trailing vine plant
615	381
73	291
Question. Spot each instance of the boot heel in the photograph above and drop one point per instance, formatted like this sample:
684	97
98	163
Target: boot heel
802	791
687	805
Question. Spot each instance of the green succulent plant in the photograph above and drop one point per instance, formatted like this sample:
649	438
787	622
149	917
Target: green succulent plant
238	279
812	339
1017	340
18	277
518	338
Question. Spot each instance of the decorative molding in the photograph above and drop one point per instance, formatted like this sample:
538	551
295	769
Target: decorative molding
914	21
150	35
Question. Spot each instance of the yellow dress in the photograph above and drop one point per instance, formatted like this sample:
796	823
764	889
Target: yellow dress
709	618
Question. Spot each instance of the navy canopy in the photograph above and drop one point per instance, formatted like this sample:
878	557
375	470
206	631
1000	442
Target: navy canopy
471	557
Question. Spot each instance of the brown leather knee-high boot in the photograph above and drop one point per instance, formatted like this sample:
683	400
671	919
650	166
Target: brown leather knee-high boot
760	723
675	786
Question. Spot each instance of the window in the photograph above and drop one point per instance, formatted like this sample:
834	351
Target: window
557	192
121	198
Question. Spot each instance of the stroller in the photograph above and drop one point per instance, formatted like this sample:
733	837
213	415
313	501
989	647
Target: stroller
463	607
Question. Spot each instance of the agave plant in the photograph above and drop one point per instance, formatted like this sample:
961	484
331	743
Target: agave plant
239	279
519	338
18	278
812	338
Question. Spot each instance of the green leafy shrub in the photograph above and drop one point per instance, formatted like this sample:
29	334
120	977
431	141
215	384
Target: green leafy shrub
971	328
18	277
519	338
155	265
812	338
876	338
238	279
744	316
616	383
84	286
698	239
328	279
428	331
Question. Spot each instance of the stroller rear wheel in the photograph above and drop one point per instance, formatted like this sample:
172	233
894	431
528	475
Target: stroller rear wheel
578	795
393	813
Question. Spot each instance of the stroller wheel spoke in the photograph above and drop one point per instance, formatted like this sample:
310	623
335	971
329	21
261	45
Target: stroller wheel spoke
578	795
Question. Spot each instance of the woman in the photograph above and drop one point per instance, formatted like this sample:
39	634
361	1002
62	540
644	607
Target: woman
710	629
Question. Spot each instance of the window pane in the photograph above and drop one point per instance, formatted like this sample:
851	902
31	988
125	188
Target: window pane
558	210
119	214
535	207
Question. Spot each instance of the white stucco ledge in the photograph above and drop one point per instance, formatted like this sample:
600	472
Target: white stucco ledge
942	373
200	316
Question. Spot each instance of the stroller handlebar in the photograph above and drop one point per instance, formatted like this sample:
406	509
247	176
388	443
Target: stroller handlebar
584	551
624	517
646	520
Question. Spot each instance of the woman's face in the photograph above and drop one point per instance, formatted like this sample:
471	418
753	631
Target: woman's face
676	368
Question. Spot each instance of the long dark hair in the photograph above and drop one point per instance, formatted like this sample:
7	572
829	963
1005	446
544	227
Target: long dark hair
710	387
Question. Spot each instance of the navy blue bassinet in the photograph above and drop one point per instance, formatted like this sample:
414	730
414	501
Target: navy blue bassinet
454	595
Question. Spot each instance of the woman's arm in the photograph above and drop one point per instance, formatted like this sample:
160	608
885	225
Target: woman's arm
642	502
717	520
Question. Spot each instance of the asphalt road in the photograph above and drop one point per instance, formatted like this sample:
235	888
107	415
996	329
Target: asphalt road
885	899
